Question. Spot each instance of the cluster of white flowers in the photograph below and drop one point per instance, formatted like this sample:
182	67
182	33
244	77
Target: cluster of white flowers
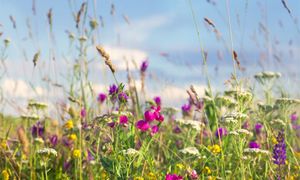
30	117
241	132
47	151
130	151
256	150
122	113
190	150
197	125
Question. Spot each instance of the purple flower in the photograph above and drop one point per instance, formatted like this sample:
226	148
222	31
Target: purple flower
220	132
254	144
258	128
123	119
173	177
143	125
157	100
113	89
246	125
90	157
186	108
149	116
37	130
83	113
123	97
144	66
111	124
66	165
177	130
154	129
101	97
279	151
294	117
193	174
53	140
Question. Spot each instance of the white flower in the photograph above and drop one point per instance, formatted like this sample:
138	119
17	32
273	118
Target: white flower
47	151
130	151
197	125
190	150
256	150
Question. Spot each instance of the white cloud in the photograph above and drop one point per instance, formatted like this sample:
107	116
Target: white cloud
140	29
20	89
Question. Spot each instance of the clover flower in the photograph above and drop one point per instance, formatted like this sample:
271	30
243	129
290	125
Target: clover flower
101	97
83	113
294	117
254	144
123	97
123	119
193	174
258	127
154	129
53	140
220	132
143	125
279	151
113	89
157	100
173	177
186	108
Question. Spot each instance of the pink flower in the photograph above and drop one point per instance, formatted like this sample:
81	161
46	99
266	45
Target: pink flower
149	116
83	113
160	118
143	125
123	119
157	100
173	177
154	129
193	174
101	97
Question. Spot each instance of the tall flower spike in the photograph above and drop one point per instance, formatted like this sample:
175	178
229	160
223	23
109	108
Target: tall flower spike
279	151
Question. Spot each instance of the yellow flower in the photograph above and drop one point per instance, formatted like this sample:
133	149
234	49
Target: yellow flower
69	124
206	170
180	166
274	140
76	153
138	178
297	154
215	149
3	144
103	175
5	174
211	178
73	137
151	176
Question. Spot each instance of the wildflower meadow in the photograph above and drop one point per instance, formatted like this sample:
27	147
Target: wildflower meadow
76	104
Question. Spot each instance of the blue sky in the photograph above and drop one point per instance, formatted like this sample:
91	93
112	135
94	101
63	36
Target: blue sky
159	27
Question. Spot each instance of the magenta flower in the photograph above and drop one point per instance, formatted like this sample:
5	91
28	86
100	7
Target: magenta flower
143	125
101	97
113	89
160	118
186	108
294	117
144	66
173	177
157	100
38	130
254	144
123	119
220	132
258	127
149	115
154	129
83	113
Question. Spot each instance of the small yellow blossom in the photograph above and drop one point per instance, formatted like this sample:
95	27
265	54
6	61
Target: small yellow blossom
3	144
103	175
206	170
180	166
69	124
215	149
297	154
76	153
151	176
211	178
73	137
5	174
138	178
274	140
